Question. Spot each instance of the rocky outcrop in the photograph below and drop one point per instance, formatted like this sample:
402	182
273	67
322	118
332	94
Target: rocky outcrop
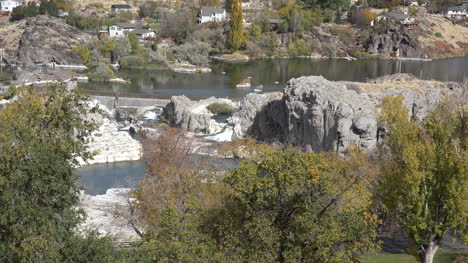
45	40
108	214
321	115
193	115
243	119
394	41
108	143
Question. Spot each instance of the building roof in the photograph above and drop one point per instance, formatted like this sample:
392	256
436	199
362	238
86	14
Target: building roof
396	15
458	8
209	10
121	7
141	31
127	25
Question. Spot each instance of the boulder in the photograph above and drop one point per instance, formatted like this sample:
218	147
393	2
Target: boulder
108	214
319	115
193	115
243	119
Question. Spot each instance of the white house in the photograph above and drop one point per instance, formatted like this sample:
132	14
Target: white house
211	14
120	29
144	34
8	5
458	12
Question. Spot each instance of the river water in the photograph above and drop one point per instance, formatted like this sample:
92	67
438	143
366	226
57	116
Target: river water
272	75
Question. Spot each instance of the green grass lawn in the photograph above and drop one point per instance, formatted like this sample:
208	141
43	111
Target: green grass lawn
441	257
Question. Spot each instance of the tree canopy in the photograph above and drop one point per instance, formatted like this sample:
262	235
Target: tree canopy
425	172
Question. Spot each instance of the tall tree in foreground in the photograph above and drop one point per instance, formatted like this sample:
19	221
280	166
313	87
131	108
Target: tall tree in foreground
235	36
41	135
425	168
287	206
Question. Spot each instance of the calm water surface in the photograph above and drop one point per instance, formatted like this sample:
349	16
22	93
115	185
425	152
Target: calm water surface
273	74
97	178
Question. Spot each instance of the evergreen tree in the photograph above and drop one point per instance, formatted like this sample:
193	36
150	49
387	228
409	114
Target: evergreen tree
234	40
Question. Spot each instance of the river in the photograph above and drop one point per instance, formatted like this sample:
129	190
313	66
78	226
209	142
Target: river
272	75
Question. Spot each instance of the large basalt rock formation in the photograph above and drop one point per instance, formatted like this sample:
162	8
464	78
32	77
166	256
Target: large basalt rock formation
321	115
249	107
49	40
394	40
193	115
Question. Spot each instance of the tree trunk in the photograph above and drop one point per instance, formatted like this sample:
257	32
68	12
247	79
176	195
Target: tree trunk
427	255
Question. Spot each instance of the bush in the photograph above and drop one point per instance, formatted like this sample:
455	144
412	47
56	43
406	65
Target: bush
298	48
129	61
102	72
83	52
157	57
196	53
438	34
10	93
220	108
5	76
97	5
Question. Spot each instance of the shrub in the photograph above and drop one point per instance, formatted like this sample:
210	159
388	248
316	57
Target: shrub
129	61
10	93
5	76
438	34
196	53
298	48
102	72
157	57
97	5
220	108
83	52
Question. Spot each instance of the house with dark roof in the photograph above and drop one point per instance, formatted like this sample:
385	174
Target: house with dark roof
211	14
120	8
144	34
403	19
120	29
457	12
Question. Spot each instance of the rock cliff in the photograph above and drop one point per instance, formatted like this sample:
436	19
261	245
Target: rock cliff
194	115
42	40
321	115
394	40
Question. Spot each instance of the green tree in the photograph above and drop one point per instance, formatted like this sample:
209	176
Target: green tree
48	7
234	39
288	206
425	172
83	51
42	135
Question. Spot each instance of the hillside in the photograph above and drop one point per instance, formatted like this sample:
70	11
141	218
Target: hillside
442	38
42	39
